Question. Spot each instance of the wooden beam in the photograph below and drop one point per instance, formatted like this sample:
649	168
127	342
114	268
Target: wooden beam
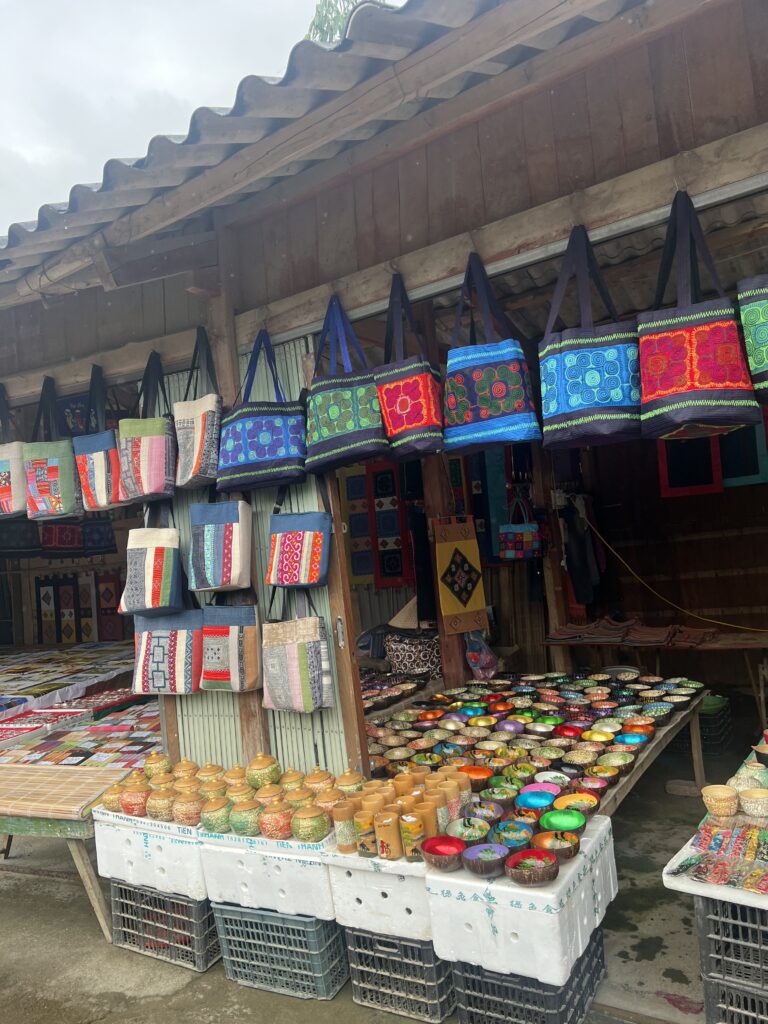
712	174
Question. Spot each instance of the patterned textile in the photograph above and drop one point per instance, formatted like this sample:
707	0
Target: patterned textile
411	403
488	396
65	539
231	648
262	445
299	549
67	610
109	623
147	458
461	591
98	469
169	654
198	424
47	619
388	525
520	540
220	548
344	422
51	480
153	574
86	590
753	306
98	537
296	665
458	481
20	539
414	655
13	481
353	492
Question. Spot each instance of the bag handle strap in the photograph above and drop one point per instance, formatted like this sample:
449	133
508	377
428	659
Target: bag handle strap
46	412
685	244
263	343
97	401
338	332
519	505
580	261
151	387
201	354
400	304
322	488
159	514
283	613
5	416
477	286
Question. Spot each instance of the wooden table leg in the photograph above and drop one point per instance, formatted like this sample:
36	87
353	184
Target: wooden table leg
5	849
697	754
90	882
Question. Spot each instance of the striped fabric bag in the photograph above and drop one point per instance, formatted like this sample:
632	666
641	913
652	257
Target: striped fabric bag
169	654
231	648
96	454
198	422
148	444
13	495
220	549
296	663
153	572
52	485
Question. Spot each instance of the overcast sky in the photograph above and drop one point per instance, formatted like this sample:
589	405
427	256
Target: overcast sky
88	80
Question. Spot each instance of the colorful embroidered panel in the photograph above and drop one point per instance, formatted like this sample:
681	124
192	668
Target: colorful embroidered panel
169	654
147	458
295	558
353	492
753	307
153	574
13	500
344	422
220	546
388	525
197	437
98	469
461	591
231	648
262	444
411	405
86	597
111	626
51	480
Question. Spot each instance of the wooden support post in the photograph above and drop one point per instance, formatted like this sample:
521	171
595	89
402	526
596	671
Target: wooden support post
554	591
169	722
90	882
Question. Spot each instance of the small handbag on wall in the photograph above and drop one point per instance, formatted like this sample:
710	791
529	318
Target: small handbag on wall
169	654
153	584
231	648
148	444
198	421
13	485
519	539
220	546
299	544
753	309
96	454
296	664
52	485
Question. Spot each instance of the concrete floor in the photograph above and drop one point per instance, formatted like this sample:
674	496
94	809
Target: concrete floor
55	966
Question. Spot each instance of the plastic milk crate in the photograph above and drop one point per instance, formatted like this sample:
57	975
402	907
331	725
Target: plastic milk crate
730	1004
403	976
733	943
290	954
173	928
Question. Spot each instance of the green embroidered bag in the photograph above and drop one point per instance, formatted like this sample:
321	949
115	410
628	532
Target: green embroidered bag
753	310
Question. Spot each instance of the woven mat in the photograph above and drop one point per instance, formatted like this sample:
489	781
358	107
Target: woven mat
32	791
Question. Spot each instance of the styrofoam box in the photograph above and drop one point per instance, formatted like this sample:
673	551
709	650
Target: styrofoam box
383	896
537	932
267	874
159	854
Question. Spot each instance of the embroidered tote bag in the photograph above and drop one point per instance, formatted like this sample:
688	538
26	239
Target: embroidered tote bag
153	569
96	454
344	423
693	372
296	665
220	548
13	492
263	444
231	648
299	545
409	389
519	539
52	486
753	308
169	654
487	396
148	444
198	421
590	376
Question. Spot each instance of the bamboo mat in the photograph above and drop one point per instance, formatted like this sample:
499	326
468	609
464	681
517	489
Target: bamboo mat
32	791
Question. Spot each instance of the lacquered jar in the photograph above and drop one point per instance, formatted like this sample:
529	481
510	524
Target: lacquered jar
157	763
310	824
188	784
244	817
269	794
133	799
328	798
291	779
262	770
211	771
185	769
161	780
350	781
160	803
240	792
275	820
214	815
213	788
187	807
301	797
110	798
235	776
318	779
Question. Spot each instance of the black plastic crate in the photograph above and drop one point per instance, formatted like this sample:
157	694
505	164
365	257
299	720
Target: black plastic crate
732	1004
733	942
484	996
168	927
290	954
402	976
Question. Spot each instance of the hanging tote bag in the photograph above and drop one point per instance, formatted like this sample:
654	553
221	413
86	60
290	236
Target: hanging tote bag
694	376
13	489
590	376
153	584
299	545
519	539
753	309
231	648
148	444
220	546
52	486
198	421
344	423
169	654
296	664
263	444
487	396
409	389
96	454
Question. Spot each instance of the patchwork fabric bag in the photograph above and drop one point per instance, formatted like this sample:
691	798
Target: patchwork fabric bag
519	540
198	421
231	648
487	396
263	444
753	309
694	375
220	548
299	545
153	570
344	423
52	486
413	653
169	654
296	664
590	376
13	486
148	444
96	454
409	389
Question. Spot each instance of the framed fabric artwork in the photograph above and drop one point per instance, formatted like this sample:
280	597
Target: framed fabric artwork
688	468
744	455
392	562
353	492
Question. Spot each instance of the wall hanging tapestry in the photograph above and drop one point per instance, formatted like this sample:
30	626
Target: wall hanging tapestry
13	494
61	540
487	387
388	526
353	495
58	609
86	602
753	309
198	421
694	375
20	538
52	486
98	536
263	444
110	624
45	605
169	653
148	444
461	591
590	376
299	544
231	648
96	453
220	546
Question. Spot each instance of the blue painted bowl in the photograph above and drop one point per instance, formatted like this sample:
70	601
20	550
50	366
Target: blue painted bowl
513	834
534	801
630	739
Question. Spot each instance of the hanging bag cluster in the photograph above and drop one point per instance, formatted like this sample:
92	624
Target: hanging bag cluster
96	454
263	444
299	544
13	493
409	389
693	371
753	309
344	423
52	486
198	421
220	546
590	376
148	444
487	387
